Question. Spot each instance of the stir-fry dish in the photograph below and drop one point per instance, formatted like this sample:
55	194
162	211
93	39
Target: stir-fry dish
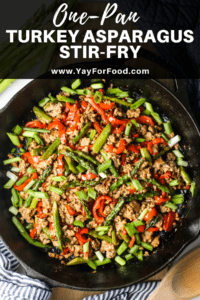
96	176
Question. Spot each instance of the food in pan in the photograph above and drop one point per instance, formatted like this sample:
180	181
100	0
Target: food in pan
96	176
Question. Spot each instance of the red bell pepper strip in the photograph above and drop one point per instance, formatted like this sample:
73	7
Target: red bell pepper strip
123	159
84	104
144	144
83	211
141	228
136	135
102	91
73	117
154	142
106	106
97	127
39	206
119	129
110	148
101	208
31	159
70	210
136	159
21	146
34	231
99	110
35	124
97	205
132	191
153	229
60	165
41	215
83	231
150	214
133	148
132	241
88	175
44	185
61	129
144	120
115	122
64	118
121	147
81	239
160	200
51	226
22	186
169	220
124	232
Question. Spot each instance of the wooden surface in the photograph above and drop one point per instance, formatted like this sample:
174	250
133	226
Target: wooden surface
63	293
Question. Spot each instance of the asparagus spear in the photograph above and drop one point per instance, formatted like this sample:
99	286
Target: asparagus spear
57	225
100	237
51	149
85	164
114	212
82	132
86	209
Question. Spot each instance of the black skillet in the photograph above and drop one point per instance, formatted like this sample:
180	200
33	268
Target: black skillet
36	263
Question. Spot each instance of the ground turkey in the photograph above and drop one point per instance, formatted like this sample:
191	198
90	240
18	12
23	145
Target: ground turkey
108	248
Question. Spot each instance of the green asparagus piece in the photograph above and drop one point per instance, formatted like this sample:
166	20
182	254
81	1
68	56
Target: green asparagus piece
79	261
145	153
42	115
122	102
25	234
57	225
46	231
86	209
82	132
38	184
100	141
37	151
100	237
71	165
125	237
185	175
114	237
112	168
88	157
166	149
51	149
85	164
115	211
85	183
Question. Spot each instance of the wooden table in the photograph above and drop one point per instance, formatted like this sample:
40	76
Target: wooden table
63	293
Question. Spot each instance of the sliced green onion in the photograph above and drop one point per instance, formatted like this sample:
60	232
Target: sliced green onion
78	223
113	91
22	151
147	246
65	99
87	92
29	185
14	138
92	134
122	95
178	199
128	256
43	102
34	203
86	247
138	103
171	205
174	182
29	133
140	255
139	140
128	129
149	107
55	190
13	210
138	223
59	178
103	175
135	123
80	91
17	130
99	263
21	180
174	141
68	90
185	175
102	233
38	140
11	160
75	84
192	188
29	226
91	264
21	200
178	153
143	213
13	150
36	129
181	162
105	166
15	197
146	112
130	228
157	117
82	195
129	100
92	193
164	137
97	86
11	176
134	249
38	194
31	170
122	248
99	255
137	185
52	98
29	140
120	260
15	169
102	228
97	97
168	127
9	184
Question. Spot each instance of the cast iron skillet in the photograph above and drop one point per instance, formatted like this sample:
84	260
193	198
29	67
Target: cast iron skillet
37	263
